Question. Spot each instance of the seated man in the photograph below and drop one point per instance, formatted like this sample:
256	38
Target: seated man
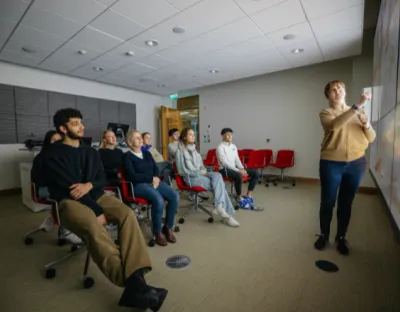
164	167
76	179
173	146
231	167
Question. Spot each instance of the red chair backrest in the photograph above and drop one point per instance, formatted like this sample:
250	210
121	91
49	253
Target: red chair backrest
245	155
124	185
285	158
211	158
268	156
241	155
257	159
178	179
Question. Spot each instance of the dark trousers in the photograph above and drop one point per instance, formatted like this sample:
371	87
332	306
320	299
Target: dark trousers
237	178
345	177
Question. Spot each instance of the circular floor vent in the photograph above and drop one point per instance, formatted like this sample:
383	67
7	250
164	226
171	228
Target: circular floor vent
178	262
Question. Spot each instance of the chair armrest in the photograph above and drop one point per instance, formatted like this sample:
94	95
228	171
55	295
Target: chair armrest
114	189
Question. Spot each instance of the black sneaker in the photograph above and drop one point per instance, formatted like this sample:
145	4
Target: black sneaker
320	243
342	246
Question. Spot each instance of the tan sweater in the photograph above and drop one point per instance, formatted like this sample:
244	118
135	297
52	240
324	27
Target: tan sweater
345	139
156	155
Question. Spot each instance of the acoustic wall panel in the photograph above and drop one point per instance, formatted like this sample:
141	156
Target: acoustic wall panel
30	102
58	101
8	129
89	108
93	129
32	127
108	111
7	100
127	114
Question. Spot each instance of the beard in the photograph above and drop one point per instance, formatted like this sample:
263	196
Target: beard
72	135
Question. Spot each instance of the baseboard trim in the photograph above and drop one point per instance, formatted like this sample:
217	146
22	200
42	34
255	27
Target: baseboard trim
393	224
10	192
362	189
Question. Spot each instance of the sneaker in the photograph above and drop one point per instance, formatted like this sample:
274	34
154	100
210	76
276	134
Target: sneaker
220	211
342	246
243	203
47	224
249	200
70	237
231	222
320	243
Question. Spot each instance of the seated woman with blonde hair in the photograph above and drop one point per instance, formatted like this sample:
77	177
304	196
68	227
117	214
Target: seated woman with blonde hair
190	166
141	170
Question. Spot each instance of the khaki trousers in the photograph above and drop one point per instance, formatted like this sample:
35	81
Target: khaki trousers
116	263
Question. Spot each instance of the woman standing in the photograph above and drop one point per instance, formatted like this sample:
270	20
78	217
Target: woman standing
347	134
190	167
140	168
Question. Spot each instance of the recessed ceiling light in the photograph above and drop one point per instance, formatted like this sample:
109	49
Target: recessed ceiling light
28	50
297	51
214	71
98	68
178	30
130	53
151	43
82	52
289	37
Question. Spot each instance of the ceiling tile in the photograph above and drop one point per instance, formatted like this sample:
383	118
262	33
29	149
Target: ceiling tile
175	53
155	61
18	58
319	8
87	71
345	19
137	69
3	40
310	55
88	9
216	12
202	44
147	13
107	2
166	72
16	47
117	25
140	41
6	28
237	31
253	46
280	16
251	7
125	47
302	32
12	10
50	23
114	61
32	36
183	4
96	39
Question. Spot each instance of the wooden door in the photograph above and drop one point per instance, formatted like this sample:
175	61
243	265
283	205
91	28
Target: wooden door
170	118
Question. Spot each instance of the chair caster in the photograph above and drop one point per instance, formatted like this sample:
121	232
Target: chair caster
259	182
275	183
181	221
88	282
236	207
266	185
294	183
50	273
143	209
152	243
177	229
210	220
61	242
28	240
74	248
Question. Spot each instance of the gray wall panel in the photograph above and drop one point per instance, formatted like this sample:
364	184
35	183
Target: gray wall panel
60	100
127	114
89	107
93	129
109	111
8	129
31	127
7	100
30	102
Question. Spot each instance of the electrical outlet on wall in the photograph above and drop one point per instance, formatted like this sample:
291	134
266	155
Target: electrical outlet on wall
267	140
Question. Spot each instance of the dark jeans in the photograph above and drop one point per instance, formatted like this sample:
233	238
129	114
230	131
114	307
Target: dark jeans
345	176
166	171
156	198
237	178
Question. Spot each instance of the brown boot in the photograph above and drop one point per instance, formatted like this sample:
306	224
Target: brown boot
169	234
161	240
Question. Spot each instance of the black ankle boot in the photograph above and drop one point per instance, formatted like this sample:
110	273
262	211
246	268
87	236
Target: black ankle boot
320	243
138	294
342	246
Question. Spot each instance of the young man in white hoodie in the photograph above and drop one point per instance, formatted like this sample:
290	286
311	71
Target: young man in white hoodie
231	167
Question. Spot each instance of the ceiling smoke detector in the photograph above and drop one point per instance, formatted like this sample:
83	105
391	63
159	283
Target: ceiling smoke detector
28	50
98	68
296	51
214	71
151	43
130	53
82	52
178	30
289	37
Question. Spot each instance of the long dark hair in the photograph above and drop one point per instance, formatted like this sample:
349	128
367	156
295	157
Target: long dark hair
47	139
183	135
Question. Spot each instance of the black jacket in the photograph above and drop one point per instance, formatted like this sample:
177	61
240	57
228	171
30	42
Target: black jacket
112	162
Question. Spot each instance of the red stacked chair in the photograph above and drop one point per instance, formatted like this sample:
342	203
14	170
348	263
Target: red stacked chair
180	183
211	158
284	160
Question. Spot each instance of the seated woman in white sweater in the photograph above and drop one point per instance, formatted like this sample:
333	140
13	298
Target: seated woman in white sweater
190	166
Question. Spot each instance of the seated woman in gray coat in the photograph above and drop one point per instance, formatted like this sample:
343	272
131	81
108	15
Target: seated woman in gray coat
190	166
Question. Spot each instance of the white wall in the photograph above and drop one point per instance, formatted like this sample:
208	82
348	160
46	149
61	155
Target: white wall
282	106
147	108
